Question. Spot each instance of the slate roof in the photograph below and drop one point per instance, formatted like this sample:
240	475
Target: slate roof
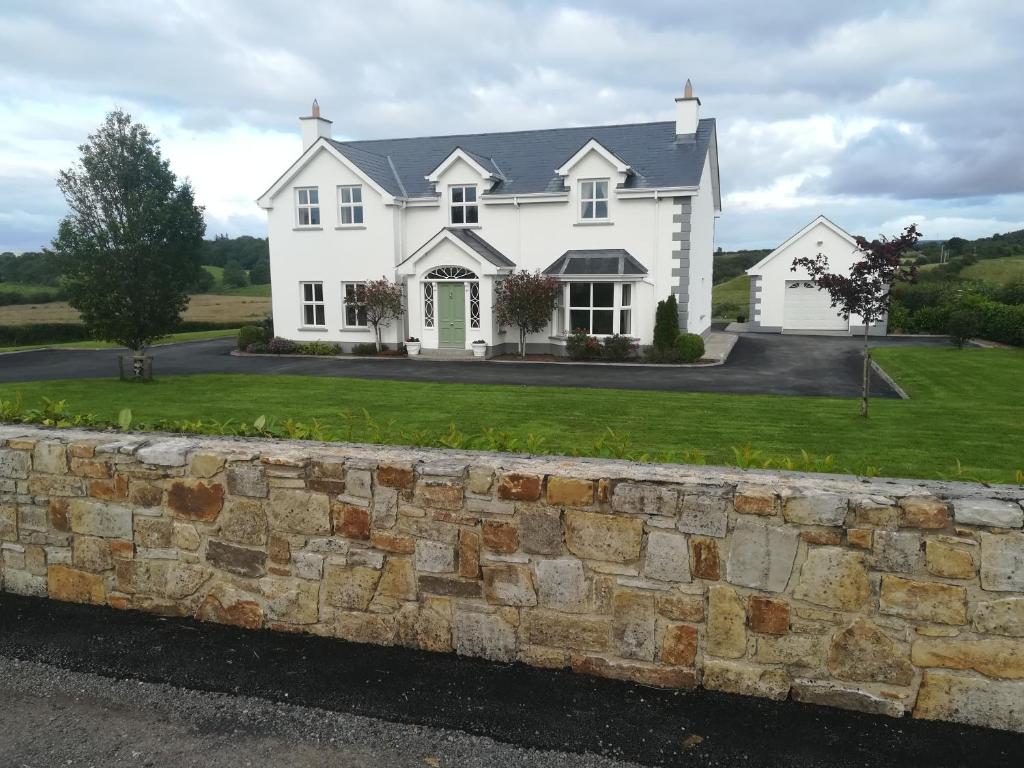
599	261
481	246
525	161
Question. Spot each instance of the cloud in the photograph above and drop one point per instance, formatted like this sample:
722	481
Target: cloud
880	108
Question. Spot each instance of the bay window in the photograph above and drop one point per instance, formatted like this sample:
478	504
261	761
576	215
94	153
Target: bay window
599	309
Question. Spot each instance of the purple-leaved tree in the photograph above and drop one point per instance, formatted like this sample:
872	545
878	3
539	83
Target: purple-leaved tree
382	302
526	300
865	291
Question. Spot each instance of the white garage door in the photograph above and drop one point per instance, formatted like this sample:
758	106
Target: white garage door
808	309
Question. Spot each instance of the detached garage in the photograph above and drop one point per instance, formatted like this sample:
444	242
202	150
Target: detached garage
784	301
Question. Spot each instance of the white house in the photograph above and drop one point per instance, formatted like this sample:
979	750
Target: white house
622	215
786	301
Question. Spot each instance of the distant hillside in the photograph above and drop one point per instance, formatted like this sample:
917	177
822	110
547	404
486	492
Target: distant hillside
730	264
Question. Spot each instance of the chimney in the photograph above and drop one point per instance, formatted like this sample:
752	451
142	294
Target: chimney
687	112
314	126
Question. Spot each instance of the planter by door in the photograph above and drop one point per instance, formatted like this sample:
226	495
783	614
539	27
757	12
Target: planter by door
452	315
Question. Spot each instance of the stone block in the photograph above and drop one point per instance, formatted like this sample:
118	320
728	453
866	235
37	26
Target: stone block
971	700
434	557
484	635
562	585
791	650
509	584
515	486
900	552
862	652
351	588
726	624
74	586
923	512
395	476
704	512
185	537
439	493
91	553
9	521
988	512
449	586
366	557
50	458
570	492
704	560
816	509
247	480
225	604
768	615
469	554
172	452
861	538
388	542
499	536
1002	562
358	483
308	565
293	511
1000	617
756	500
593	536
195	499
834	577
204	464
145	494
828	694
992	656
923	600
351	521
241	561
90	468
746	679
633	625
32	518
678	645
384	509
398	579
20	582
99	518
951	562
680	607
15	464
761	556
480	480
540	531
557	630
243	521
644	499
69	485
369	628
643	673
667	557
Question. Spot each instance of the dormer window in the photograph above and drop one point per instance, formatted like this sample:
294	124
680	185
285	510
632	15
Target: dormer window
350	206
594	200
307	204
464	209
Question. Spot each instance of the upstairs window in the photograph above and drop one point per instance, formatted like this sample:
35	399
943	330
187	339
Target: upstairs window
308	205
353	296
594	199
464	204
313	305
350	206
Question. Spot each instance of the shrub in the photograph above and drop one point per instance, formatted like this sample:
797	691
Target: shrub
367	348
580	345
257	349
250	334
267	324
319	348
618	347
666	324
899	318
932	319
234	276
1011	293
690	347
279	346
964	323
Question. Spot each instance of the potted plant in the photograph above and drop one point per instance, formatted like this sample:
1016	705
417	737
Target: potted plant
479	348
412	346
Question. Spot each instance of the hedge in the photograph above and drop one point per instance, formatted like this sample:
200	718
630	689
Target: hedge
59	333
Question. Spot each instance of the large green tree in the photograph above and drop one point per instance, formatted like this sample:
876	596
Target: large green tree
130	246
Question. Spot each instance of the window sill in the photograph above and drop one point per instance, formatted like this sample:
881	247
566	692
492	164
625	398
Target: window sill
356	328
312	328
465	226
307	229
351	226
598	223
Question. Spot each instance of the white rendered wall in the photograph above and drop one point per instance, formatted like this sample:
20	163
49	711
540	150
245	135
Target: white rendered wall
702	254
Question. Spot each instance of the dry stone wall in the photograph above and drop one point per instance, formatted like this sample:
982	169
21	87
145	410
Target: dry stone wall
889	597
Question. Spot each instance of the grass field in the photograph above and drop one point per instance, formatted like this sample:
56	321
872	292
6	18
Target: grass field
965	419
733	291
1000	271
248	290
174	338
25	287
206	307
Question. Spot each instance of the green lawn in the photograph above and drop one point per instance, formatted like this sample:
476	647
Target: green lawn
248	290
965	420
734	291
172	339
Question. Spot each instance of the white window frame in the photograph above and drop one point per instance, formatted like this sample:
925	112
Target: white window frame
353	207
616	308
463	205
593	198
365	326
313	302
308	207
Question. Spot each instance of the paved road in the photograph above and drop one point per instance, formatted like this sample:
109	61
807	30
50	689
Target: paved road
759	364
86	686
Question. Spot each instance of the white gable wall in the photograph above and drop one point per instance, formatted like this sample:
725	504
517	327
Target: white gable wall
702	254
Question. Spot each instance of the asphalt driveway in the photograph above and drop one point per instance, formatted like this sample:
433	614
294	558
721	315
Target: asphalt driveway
759	364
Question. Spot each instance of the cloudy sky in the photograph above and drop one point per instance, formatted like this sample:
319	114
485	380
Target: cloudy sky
873	113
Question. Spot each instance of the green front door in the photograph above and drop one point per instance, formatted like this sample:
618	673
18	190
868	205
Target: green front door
451	311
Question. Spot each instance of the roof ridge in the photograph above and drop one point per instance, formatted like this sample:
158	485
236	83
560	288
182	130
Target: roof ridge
522	131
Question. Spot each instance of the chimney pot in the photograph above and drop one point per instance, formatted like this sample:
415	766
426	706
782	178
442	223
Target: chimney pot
314	127
316	107
687	90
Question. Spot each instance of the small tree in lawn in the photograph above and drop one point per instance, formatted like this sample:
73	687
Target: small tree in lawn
865	291
526	300
130	246
382	301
